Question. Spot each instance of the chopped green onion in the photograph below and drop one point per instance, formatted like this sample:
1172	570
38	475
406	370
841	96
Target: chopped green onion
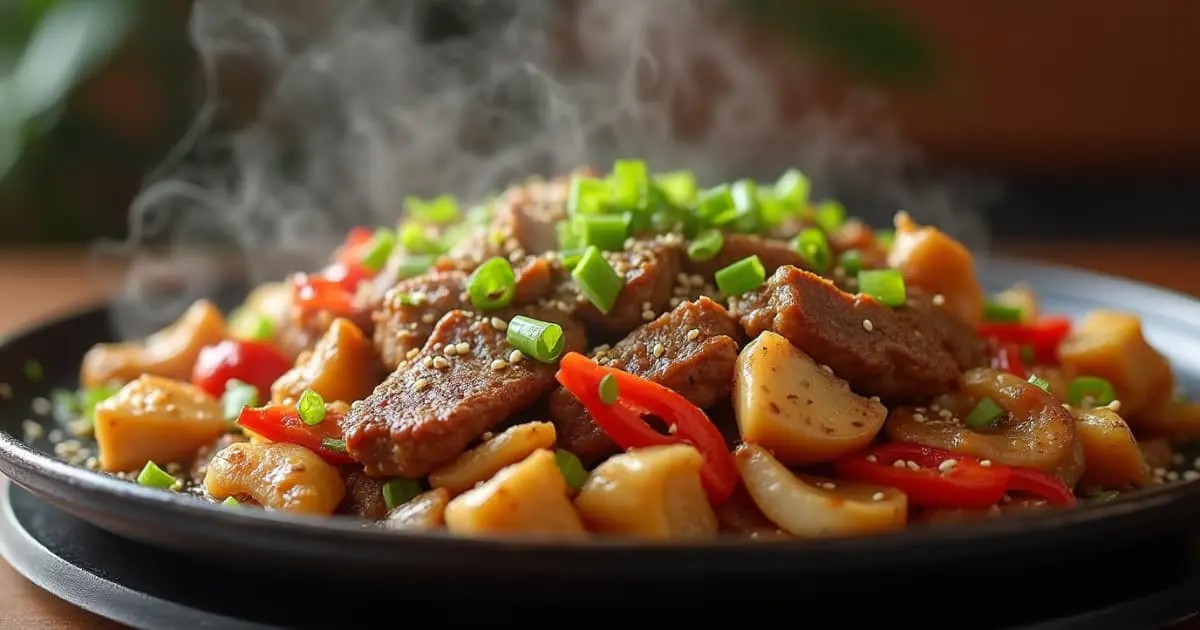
609	389
746	216
1107	495
851	262
631	183
413	266
231	502
663	221
984	415
311	407
792	189
379	249
588	195
237	396
1040	382
246	324
606	231
830	215
885	285
398	491
416	240
997	312
443	209
679	187
813	245
154	477
535	338
407	299
597	280
570	257
715	202
744	275
885	238
706	245
492	285
572	469
92	396
333	444
33	370
568	235
1090	390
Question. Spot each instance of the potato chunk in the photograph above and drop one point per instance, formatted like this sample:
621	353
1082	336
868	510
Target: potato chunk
786	402
813	507
1110	344
155	418
480	463
424	512
939	265
170	352
1112	459
279	476
653	493
341	366
529	497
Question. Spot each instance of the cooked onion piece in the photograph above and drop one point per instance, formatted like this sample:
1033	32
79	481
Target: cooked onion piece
529	497
480	463
1114	461
279	476
170	352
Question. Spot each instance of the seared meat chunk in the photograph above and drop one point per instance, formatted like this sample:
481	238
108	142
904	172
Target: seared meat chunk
772	253
953	334
425	415
364	496
650	268
691	349
879	351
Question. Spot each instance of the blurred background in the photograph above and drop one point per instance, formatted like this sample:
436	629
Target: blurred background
1086	112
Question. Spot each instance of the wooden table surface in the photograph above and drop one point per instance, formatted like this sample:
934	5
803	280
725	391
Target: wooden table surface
37	284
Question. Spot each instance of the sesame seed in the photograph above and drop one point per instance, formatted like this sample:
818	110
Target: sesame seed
1191	475
32	430
427	362
872	459
56	435
659	350
828	485
878	496
693	334
515	357
947	465
648	315
1114	405
499	324
451	350
868	326
412	354
939	299
674	302
899	463
697	280
986	463
945	413
420	384
912	465
463	347
1172	475
875	399
41	406
427	318
499	364
440	363
919	417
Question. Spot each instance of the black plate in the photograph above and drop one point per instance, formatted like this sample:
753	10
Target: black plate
352	552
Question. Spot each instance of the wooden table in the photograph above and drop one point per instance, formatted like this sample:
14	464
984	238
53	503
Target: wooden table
39	283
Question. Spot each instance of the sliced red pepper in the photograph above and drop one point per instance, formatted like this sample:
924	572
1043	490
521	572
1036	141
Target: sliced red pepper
966	484
1007	358
624	420
1043	335
334	287
282	423
1041	485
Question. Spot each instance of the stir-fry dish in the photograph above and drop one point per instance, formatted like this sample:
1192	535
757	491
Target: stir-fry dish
628	354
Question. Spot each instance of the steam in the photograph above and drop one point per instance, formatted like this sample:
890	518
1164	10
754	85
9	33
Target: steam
360	109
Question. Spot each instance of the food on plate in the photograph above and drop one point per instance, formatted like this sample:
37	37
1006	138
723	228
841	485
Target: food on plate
630	355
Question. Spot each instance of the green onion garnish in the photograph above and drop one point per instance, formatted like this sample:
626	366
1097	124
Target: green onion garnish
413	266
231	502
609	389
415	240
630	183
830	215
886	286
535	338
746	216
398	491
311	407
813	245
33	370
587	196
246	324
1040	382
1091	390
572	469
997	312
679	187
706	245
606	231
597	280
984	415
379	249
792	189
715	202
92	396
885	238
492	285
333	444
1107	495
443	209
744	275
154	477
851	262
570	257
237	396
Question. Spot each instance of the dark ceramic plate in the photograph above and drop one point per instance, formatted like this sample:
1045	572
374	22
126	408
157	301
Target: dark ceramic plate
1023	546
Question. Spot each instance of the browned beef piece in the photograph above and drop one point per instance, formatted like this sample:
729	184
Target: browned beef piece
425	415
956	336
697	364
650	268
772	253
364	496
876	349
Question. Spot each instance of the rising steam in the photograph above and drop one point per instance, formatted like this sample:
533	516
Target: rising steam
359	109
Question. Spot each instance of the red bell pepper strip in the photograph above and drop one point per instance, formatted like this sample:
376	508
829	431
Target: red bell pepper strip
252	362
1041	485
333	288
1043	335
624	419
282	423
1007	358
966	484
